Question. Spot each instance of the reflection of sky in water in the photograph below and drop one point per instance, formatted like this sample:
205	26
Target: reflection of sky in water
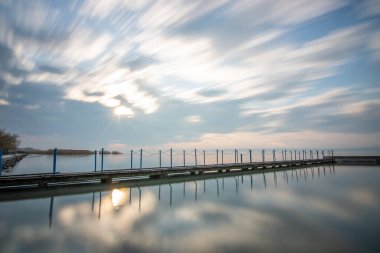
326	209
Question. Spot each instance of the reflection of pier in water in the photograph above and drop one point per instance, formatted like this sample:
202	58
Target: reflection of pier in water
297	174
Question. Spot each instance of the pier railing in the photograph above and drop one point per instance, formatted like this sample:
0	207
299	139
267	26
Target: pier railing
196	157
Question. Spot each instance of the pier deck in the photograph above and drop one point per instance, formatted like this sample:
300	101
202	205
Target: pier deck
107	176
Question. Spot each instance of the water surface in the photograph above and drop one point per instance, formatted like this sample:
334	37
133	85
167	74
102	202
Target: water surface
319	209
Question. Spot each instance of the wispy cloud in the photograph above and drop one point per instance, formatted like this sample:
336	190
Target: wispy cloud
271	58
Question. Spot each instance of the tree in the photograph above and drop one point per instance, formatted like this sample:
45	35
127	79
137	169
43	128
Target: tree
8	141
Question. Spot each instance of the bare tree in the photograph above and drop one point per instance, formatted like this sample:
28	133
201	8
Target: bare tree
8	141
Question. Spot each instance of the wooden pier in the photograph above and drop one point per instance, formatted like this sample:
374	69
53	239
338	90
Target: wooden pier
43	180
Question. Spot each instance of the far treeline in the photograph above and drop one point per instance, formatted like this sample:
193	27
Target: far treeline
8	142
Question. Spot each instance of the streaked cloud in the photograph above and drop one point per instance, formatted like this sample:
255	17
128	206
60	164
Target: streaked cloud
270	59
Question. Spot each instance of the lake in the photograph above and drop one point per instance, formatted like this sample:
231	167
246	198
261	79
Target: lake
330	208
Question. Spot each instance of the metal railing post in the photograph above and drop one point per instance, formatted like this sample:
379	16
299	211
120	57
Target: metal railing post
1	161
160	159
171	158
102	160
195	155
131	158
95	158
54	160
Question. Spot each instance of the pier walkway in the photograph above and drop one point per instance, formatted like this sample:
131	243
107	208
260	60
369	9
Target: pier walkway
43	180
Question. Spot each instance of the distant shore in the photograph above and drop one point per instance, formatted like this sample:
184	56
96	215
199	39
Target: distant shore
69	152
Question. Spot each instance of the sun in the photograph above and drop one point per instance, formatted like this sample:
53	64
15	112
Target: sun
123	111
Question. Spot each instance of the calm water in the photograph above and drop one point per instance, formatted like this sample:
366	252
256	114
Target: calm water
315	209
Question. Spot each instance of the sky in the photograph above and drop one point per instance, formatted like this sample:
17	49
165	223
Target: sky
191	74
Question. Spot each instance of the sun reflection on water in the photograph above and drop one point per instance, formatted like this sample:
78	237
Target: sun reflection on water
119	198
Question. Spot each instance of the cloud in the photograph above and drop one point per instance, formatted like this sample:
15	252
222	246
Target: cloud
228	66
3	102
369	8
193	119
297	139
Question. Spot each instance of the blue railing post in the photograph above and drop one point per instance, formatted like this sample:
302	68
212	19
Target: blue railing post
1	161
131	158
140	158
101	165
54	161
95	158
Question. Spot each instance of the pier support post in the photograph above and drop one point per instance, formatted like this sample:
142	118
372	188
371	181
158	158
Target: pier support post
317	155
332	153
250	156
217	156
1	161
101	165
54	161
295	154
299	155
140	158
274	155
285	155
106	180
222	156
263	153
204	157
323	154
241	158
184	158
